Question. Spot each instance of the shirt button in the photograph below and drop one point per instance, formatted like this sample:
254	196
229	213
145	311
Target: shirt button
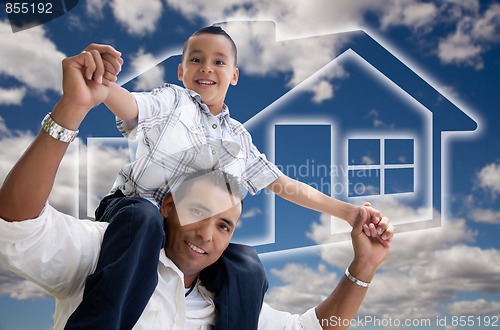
214	126
214	152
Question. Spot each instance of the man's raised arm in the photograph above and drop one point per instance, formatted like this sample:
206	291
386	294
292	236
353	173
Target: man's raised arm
336	311
86	78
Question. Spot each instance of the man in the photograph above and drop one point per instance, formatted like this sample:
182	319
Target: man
192	247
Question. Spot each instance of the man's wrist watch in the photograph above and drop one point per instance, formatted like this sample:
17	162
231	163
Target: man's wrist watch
57	131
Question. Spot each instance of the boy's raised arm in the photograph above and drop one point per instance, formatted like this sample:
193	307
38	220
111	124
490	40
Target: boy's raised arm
86	81
304	195
119	100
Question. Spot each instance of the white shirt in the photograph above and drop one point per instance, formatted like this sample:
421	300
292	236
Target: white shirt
58	252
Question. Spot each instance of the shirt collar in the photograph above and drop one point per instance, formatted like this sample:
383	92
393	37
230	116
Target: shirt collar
223	116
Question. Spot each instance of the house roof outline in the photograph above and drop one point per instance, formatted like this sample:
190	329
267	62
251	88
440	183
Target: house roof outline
363	46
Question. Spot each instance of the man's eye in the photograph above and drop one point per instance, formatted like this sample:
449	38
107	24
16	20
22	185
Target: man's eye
197	213
224	227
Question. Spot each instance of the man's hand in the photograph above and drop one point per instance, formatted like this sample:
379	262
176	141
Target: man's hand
371	242
88	75
373	224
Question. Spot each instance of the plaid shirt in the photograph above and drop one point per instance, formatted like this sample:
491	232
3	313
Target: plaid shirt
175	134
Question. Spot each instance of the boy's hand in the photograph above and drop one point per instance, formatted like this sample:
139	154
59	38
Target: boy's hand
374	224
108	63
86	79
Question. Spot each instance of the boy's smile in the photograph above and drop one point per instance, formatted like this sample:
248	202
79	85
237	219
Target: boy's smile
208	68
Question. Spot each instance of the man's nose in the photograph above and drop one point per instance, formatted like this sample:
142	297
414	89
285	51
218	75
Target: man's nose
205	230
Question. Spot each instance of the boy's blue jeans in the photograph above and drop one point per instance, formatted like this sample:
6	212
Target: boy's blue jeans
116	294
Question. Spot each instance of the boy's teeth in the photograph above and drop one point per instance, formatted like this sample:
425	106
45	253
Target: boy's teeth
206	82
195	248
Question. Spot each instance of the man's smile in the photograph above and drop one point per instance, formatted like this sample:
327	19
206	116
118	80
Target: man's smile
195	248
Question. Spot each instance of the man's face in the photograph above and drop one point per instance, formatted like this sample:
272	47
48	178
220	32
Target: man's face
199	227
208	67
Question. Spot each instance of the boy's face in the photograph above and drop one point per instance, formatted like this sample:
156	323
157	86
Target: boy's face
208	67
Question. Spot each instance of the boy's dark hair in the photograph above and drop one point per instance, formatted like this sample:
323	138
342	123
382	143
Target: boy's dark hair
217	30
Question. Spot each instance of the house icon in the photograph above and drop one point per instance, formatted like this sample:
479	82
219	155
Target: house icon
378	136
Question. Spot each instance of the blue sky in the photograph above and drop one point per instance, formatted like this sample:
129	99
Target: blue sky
323	86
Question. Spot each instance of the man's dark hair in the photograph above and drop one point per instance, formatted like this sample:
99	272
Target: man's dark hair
217	30
220	179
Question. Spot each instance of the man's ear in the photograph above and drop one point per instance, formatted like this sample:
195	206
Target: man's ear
180	72
234	79
166	205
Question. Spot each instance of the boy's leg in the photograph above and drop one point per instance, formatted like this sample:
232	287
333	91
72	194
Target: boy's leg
239	282
126	275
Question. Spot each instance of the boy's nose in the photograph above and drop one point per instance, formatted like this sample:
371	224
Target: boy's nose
206	68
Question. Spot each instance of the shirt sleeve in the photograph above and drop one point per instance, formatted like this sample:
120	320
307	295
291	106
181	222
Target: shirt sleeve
271	318
151	107
55	251
259	171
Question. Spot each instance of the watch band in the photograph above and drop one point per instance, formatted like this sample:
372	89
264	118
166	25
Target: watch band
57	131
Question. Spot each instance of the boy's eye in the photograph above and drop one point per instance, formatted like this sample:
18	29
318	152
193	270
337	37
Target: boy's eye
219	63
195	60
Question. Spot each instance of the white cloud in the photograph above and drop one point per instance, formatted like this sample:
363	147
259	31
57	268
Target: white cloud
12	96
474	34
487	27
322	91
31	58
64	196
94	8
12	145
104	160
253	212
305	287
374	115
367	160
460	48
489	178
476	307
151	78
19	288
409	13
485	216
138	17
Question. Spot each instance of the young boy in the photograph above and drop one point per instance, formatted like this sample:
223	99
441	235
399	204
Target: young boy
181	130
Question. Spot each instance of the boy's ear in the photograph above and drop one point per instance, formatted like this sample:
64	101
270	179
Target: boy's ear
180	72
234	79
167	205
